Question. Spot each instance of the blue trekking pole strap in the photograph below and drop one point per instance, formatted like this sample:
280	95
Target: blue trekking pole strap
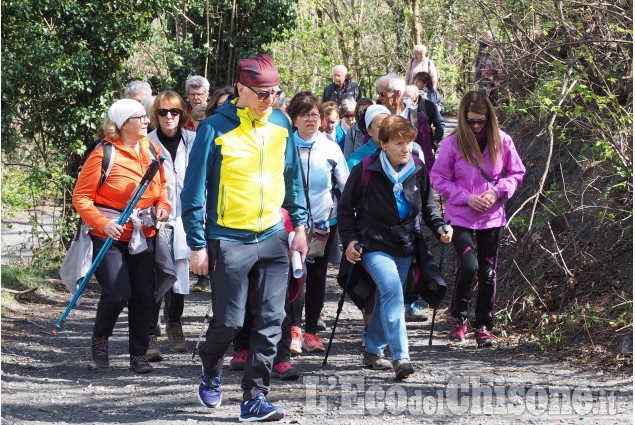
125	215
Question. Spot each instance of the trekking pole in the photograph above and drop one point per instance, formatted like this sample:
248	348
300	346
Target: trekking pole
446	229
210	310
357	247
123	218
208	316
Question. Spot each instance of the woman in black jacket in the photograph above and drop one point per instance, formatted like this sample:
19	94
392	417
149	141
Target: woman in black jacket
380	210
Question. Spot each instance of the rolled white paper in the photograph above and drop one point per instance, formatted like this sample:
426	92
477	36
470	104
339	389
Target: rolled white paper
296	260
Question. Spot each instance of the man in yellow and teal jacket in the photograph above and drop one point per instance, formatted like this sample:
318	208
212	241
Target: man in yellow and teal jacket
242	169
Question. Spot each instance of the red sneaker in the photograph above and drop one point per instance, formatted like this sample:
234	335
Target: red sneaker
313	343
296	341
459	327
483	337
285	371
240	358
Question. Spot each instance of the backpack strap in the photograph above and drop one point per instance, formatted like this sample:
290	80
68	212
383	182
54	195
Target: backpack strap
107	161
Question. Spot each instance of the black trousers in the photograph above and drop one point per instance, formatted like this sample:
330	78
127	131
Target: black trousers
172	310
311	297
477	254
125	279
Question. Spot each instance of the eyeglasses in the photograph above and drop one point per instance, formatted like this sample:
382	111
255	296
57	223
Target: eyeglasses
305	116
479	121
204	94
164	112
264	95
384	93
349	115
141	118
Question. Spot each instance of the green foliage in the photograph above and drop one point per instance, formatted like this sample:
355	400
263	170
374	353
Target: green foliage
59	69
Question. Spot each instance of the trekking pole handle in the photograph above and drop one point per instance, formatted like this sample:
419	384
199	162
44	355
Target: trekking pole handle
358	246
446	227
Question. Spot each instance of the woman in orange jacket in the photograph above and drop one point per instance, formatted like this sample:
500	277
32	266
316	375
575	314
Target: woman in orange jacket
125	273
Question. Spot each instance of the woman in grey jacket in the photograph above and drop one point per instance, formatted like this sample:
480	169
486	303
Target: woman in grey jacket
168	116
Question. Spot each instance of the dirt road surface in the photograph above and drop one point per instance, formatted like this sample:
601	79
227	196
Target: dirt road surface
49	379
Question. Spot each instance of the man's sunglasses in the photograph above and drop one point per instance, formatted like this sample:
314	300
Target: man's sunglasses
471	121
164	112
264	94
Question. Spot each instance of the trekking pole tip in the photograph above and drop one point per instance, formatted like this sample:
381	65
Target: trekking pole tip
56	329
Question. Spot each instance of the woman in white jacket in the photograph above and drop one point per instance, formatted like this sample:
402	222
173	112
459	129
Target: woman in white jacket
168	116
324	171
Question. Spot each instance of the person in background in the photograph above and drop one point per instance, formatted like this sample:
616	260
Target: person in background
427	121
169	117
391	92
232	197
477	170
324	169
384	216
423	81
373	117
341	87
356	136
138	90
330	128
125	273
147	103
347	113
218	98
421	63
198	115
197	89
488	71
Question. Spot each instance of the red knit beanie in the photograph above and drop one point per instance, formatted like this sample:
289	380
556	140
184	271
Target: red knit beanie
258	71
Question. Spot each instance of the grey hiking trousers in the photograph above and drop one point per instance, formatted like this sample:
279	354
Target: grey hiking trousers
266	265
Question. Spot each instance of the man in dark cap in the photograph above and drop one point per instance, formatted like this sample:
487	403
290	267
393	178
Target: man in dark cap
243	168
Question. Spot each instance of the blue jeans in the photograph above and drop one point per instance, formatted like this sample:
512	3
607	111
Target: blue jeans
388	325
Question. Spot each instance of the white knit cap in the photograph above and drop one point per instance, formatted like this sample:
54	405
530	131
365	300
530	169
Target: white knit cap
123	109
372	111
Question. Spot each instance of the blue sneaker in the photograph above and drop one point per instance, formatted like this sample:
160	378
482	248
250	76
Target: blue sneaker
259	409
209	392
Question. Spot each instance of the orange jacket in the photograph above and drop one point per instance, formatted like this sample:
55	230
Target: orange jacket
125	175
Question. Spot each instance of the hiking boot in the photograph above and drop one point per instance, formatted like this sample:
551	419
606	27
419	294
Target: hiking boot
285	371
209	392
376	362
313	343
139	364
201	284
259	409
402	368
296	341
99	351
154	353
320	326
415	311
176	340
483	337
459	327
240	358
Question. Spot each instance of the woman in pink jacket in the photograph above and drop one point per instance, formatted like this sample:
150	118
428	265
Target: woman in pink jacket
477	170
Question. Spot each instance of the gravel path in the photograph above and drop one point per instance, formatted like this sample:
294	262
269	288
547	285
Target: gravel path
49	379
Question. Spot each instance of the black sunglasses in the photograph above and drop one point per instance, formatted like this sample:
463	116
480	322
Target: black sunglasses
264	94
164	112
478	121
